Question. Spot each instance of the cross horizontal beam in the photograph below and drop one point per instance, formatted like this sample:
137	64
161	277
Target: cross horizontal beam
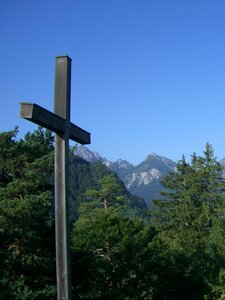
53	122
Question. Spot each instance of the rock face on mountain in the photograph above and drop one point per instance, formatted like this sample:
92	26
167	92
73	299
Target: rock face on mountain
88	155
142	180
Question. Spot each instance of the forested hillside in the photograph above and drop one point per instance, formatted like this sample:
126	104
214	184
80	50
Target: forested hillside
119	251
84	176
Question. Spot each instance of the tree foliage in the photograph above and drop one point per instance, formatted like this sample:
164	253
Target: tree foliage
27	255
26	223
188	218
117	251
109	248
85	176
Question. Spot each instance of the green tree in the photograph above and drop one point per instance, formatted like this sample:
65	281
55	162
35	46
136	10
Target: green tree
109	250
185	218
108	195
86	176
27	267
216	252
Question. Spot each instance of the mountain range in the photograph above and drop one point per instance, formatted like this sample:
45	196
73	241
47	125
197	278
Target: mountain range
142	180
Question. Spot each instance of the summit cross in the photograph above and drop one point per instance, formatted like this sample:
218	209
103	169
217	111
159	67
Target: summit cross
59	122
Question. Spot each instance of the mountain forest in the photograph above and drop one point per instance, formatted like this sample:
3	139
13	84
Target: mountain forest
120	249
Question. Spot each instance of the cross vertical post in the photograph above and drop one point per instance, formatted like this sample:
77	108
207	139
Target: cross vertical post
59	122
62	109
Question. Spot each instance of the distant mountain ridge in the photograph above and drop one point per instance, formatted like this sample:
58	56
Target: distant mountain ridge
142	180
145	178
88	155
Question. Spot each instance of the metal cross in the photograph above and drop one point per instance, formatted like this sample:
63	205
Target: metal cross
59	122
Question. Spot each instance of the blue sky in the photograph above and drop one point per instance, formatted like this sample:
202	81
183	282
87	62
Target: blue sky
147	75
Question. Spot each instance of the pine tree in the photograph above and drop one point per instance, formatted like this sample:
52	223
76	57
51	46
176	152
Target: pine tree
109	249
192	198
186	214
27	267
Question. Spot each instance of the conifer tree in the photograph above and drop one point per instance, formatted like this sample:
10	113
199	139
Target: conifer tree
27	267
109	249
185	217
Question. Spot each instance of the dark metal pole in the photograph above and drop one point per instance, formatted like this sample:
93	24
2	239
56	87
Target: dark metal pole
62	108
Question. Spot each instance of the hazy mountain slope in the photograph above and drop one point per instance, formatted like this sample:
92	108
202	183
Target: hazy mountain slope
142	180
85	175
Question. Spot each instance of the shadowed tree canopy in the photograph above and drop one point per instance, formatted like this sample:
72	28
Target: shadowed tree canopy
26	258
188	218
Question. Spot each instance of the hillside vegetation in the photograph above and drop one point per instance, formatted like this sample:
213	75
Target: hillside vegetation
120	249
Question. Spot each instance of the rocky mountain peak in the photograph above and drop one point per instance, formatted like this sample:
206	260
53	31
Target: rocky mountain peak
162	161
87	155
151	155
124	164
141	180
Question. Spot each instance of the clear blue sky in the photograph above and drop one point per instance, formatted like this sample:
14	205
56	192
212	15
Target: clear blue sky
147	75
